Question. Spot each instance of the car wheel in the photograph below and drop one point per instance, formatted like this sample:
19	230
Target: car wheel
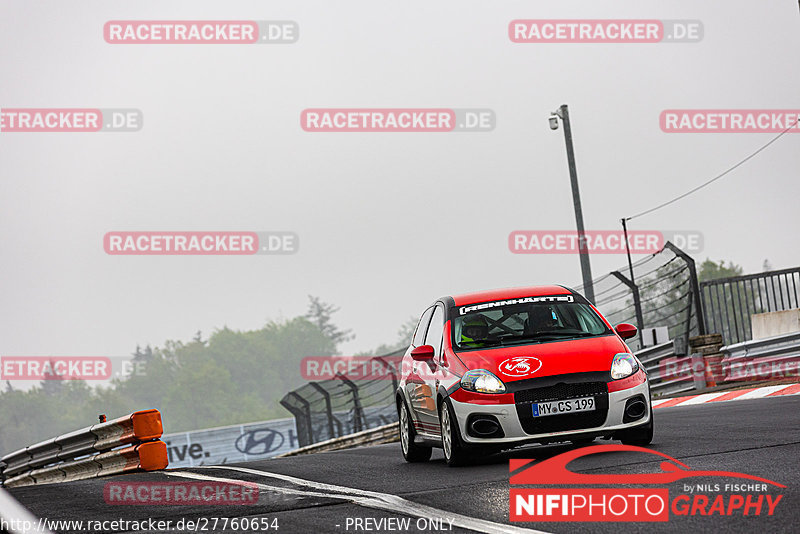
640	436
411	451
454	452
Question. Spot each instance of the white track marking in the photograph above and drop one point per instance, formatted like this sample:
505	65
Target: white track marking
704	398
370	499
13	513
762	392
700	399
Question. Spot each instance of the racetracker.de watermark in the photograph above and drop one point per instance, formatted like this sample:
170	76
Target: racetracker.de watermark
397	120
180	493
192	243
605	31
729	120
731	371
201	31
70	120
601	241
55	368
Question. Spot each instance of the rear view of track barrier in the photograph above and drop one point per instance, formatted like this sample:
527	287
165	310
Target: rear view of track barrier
130	443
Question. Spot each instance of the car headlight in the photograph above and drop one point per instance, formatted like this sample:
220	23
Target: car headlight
624	365
482	381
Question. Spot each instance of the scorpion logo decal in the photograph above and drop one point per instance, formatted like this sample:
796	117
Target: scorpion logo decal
520	366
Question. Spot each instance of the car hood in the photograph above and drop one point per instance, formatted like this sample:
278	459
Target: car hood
546	359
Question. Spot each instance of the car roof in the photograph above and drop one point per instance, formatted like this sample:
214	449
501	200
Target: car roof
509	293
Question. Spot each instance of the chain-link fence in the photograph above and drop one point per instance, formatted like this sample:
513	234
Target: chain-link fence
328	409
662	291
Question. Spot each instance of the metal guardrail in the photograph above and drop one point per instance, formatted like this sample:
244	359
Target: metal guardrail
763	358
654	359
373	436
96	448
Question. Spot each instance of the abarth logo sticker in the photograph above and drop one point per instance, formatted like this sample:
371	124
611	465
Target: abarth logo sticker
520	366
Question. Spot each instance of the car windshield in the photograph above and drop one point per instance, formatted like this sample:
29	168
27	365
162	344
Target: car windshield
524	321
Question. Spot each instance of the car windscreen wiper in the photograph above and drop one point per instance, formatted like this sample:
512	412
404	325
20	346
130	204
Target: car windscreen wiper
546	336
479	344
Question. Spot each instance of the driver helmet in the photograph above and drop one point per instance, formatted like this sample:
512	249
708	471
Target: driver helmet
474	329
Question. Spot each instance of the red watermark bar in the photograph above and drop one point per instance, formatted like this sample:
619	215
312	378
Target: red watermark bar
377	120
596	241
729	120
55	368
181	243
51	120
585	31
350	367
33	120
180	31
731	371
180	493
645	505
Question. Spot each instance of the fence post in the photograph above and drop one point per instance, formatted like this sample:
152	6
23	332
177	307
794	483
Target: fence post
328	409
358	420
304	436
701	324
688	332
698	378
637	303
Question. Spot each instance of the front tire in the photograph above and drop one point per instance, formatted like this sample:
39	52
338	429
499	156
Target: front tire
411	451
454	452
640	436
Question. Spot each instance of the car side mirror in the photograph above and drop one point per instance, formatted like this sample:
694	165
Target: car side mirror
625	330
423	353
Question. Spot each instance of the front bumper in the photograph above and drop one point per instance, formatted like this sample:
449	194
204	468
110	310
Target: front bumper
514	429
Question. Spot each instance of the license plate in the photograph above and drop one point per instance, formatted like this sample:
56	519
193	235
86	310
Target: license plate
542	409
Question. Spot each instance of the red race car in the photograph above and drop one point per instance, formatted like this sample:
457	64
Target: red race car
493	370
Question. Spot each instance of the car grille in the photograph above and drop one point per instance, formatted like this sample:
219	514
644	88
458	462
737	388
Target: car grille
561	391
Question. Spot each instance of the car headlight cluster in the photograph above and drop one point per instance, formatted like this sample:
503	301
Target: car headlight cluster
624	365
482	381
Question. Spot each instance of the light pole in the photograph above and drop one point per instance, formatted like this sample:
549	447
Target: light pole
586	269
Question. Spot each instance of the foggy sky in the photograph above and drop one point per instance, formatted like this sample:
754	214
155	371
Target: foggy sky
387	222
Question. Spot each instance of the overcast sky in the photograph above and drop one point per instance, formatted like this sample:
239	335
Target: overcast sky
387	221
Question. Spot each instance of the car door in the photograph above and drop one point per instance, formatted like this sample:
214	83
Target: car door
427	371
416	390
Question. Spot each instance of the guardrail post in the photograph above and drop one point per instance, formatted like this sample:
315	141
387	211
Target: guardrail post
358	419
698	378
637	303
328	409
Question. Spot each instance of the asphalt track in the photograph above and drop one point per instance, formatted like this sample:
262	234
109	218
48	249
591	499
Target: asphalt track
318	493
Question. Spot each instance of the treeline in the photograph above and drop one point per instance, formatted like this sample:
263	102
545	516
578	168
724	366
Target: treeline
232	377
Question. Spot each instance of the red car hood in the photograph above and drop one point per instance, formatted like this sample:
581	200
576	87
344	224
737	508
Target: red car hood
546	359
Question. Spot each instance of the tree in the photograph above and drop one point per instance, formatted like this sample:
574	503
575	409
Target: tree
319	313
404	335
711	270
232	377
